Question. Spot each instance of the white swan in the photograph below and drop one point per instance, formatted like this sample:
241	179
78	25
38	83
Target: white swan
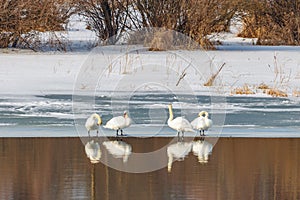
93	123
202	123
93	152
202	150
180	124
119	123
178	151
118	149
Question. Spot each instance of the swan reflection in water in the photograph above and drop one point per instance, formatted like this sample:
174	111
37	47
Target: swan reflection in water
178	151
118	149
202	149
93	152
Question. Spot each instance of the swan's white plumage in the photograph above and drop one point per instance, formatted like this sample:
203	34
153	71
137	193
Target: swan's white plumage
202	149
118	149
93	152
118	123
93	122
178	151
202	123
180	124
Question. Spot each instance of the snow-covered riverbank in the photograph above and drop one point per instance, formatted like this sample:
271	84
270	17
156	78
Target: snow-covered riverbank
52	73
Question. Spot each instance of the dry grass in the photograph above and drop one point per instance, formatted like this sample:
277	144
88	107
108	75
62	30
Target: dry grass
211	80
281	79
276	93
162	40
245	90
296	93
263	86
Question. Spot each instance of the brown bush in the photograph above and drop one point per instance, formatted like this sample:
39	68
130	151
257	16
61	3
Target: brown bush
108	19
169	14
206	17
272	22
195	18
21	20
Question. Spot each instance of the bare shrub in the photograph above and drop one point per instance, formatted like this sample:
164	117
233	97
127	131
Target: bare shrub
169	14
108	18
206	17
21	21
272	22
195	18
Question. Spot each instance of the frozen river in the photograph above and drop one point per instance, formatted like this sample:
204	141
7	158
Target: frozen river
52	115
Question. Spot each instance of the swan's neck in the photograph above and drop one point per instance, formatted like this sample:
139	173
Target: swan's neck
206	114
97	118
203	114
170	113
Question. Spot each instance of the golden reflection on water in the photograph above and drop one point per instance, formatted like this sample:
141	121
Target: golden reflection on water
236	168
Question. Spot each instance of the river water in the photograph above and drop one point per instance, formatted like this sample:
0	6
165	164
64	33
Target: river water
236	168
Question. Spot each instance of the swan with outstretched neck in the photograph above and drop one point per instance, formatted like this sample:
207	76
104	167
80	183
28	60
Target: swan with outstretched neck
177	151
119	123
202	122
93	123
180	124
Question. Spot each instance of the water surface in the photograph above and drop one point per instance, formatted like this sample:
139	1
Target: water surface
237	168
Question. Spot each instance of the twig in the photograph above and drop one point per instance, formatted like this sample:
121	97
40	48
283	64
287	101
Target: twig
182	74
